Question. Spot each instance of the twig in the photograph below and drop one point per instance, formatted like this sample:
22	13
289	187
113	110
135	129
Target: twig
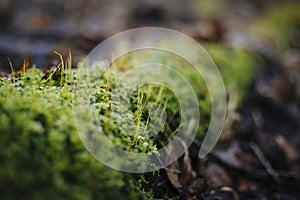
264	161
255	175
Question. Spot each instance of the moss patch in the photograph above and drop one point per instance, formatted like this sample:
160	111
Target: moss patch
41	153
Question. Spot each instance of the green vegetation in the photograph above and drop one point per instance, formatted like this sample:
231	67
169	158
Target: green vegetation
41	153
238	69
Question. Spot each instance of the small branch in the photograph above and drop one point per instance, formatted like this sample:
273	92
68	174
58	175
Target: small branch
264	161
255	175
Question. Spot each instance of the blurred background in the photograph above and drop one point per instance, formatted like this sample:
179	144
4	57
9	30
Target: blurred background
33	29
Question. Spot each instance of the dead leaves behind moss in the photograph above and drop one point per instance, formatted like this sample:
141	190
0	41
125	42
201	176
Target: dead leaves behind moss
180	172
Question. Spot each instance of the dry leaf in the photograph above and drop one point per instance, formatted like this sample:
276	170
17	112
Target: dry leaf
179	174
287	147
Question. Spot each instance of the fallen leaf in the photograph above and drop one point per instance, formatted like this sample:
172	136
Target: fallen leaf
287	147
179	174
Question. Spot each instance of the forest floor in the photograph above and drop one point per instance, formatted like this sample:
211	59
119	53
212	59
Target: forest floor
257	156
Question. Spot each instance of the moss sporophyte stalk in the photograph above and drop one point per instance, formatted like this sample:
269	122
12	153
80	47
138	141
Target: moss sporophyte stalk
41	153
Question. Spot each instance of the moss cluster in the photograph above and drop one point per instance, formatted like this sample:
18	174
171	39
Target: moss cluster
238	69
41	153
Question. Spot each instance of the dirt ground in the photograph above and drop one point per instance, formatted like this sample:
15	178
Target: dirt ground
258	156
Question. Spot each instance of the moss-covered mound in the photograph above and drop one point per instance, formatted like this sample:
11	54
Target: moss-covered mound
41	154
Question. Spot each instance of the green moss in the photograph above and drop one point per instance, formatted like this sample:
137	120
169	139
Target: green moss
41	153
237	67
